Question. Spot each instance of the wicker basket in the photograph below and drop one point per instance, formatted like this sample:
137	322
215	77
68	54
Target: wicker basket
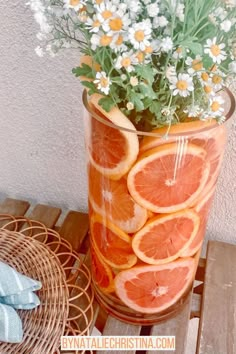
66	297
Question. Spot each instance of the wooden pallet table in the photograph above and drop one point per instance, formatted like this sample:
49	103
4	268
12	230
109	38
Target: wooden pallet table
213	300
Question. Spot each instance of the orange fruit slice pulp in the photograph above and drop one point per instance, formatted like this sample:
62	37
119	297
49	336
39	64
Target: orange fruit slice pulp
169	177
112	200
112	243
163	238
154	288
112	151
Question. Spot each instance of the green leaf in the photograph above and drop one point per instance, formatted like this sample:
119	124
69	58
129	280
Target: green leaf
155	107
136	99
83	70
147	91
90	86
106	103
146	72
196	48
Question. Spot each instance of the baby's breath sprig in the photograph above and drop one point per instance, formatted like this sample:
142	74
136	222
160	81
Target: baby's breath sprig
159	61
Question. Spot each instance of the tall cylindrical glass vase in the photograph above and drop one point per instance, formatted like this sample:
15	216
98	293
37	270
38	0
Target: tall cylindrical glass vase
149	198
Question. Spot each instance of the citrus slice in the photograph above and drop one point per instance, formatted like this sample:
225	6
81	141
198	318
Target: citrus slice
203	209
163	238
170	134
154	288
112	200
112	151
169	177
102	274
113	244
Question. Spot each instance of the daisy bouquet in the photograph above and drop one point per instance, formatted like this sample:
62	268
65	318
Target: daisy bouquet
159	61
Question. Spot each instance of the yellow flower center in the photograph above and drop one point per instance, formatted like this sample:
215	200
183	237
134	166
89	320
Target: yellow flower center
197	64
179	50
214	68
148	50
98	2
139	36
140	57
216	79
205	76
96	24
207	89
103	82
106	14
215	106
74	2
116	24
182	85
119	40
215	49
105	40
126	62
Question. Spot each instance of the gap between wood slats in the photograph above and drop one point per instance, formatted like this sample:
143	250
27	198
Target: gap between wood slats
217	325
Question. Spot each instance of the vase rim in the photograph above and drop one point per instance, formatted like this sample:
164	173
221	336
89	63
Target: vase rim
228	115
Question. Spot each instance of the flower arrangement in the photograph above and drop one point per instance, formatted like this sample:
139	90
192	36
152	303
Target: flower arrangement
159	61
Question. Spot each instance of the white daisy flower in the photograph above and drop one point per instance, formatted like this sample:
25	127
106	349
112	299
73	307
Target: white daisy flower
182	85
196	64
217	80
215	50
130	106
39	51
135	8
226	25
118	42
170	73
153	9
105	11
117	23
134	81
125	60
73	4
166	44
193	110
140	34
180	12
93	24
208	88
178	53
160	21
216	108
232	67
100	39
103	82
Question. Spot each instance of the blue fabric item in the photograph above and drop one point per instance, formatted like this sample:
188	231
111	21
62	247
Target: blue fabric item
16	291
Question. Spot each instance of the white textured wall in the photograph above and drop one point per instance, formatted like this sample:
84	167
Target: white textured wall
41	130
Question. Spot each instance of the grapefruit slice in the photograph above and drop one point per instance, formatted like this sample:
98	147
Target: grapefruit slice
189	129
163	238
112	200
169	177
111	150
112	243
102	274
203	209
154	288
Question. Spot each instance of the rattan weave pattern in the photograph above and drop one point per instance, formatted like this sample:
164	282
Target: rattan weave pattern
66	297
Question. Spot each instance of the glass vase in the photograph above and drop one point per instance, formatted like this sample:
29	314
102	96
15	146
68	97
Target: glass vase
150	195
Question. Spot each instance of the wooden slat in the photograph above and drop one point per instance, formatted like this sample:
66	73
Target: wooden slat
46	214
14	207
177	326
217	326
75	228
114	327
196	305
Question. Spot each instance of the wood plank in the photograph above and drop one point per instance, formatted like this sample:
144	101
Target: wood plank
45	214
217	325
196	305
75	228
113	327
14	206
176	326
